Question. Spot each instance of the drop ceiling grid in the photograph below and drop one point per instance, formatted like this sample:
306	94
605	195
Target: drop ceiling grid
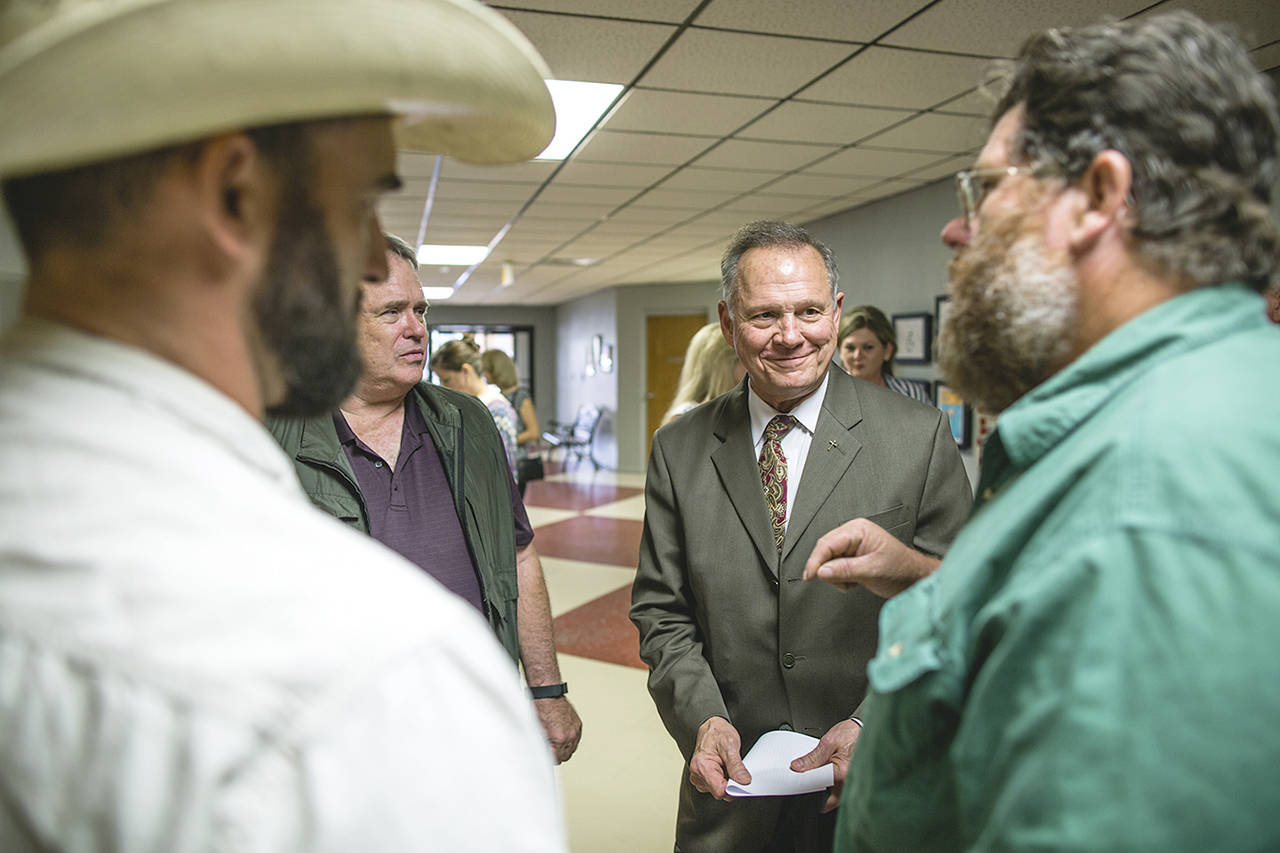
747	107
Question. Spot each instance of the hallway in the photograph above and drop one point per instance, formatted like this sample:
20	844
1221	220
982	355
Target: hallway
620	787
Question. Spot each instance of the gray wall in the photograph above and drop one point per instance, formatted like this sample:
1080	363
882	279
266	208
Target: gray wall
577	322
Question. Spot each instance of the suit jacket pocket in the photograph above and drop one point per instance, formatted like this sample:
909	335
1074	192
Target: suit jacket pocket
895	520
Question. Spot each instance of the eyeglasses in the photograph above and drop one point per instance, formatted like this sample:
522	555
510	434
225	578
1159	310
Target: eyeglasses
972	185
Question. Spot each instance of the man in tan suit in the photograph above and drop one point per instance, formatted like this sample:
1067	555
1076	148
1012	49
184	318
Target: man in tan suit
738	492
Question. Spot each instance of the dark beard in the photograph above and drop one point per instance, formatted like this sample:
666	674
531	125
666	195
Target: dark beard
301	312
1013	312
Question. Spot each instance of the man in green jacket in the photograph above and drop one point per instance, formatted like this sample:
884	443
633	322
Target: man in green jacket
1093	667
421	468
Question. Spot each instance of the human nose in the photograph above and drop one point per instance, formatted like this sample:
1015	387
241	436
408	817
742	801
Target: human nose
956	233
789	329
375	260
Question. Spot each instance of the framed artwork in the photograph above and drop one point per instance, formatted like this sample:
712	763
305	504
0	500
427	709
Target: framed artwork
941	308
914	342
957	412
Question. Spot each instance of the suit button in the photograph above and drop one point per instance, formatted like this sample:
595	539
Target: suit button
788	660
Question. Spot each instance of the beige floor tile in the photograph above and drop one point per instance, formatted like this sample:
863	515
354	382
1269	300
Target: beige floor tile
540	515
631	509
572	583
620	787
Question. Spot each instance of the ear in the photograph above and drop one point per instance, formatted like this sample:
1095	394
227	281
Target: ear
726	323
1105	185
889	350
238	199
838	309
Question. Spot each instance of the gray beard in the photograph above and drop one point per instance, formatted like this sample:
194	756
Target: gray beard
1013	315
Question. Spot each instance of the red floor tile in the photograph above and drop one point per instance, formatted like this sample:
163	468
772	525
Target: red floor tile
600	630
577	496
612	541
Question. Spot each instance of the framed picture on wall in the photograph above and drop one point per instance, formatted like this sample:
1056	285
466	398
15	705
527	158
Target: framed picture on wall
941	308
957	412
912	331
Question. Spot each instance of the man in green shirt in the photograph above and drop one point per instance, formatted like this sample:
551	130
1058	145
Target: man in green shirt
1093	667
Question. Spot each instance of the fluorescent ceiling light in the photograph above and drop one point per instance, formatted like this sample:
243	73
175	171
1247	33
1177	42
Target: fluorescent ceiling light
436	294
451	256
578	106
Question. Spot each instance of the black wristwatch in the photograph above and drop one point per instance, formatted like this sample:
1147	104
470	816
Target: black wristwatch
549	691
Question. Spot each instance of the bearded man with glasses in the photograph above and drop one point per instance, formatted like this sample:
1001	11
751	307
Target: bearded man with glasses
1093	664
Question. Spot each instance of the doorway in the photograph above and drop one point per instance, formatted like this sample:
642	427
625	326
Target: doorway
666	338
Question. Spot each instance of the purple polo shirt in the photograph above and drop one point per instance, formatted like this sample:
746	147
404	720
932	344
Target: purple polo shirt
411	508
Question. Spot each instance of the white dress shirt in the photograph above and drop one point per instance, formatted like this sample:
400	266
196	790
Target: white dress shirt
192	658
795	444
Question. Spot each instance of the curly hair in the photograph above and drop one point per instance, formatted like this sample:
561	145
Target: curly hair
1181	100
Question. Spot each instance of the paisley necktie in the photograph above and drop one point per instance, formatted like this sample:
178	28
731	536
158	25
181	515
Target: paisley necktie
773	474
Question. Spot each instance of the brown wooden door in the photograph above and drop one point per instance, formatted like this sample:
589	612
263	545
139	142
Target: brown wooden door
667	337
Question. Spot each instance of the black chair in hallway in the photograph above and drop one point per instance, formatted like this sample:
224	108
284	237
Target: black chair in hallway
577	438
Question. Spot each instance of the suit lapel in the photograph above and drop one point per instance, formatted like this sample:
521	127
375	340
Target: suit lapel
830	454
734	461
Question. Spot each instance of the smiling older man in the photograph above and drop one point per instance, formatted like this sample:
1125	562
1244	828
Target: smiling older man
738	491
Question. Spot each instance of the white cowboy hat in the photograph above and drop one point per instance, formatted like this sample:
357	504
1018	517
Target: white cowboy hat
83	81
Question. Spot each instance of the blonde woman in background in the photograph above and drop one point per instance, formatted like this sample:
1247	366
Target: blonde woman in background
866	344
711	368
458	365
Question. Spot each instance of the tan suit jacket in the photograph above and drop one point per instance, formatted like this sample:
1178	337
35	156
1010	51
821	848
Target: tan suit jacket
727	626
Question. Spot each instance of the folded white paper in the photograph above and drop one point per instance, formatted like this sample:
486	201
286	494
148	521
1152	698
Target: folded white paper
769	763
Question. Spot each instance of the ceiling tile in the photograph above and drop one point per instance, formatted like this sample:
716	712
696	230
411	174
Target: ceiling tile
739	180
1258	22
807	122
643	148
591	48
942	169
765	207
1267	58
872	162
951	134
606	197
974	103
897	78
816	186
482	190
637	214
824	19
580	172
670	11
686	112
532	172
999	27
735	63
684	199
745	154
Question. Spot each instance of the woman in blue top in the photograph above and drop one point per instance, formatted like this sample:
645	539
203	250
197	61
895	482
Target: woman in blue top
866	346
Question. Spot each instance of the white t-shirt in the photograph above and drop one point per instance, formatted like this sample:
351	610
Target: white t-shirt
193	658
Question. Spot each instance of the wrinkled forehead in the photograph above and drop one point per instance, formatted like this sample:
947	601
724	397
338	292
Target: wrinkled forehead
401	285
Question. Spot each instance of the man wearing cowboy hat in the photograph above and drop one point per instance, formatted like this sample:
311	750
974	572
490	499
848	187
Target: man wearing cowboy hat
191	656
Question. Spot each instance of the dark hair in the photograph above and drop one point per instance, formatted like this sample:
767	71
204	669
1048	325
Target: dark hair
764	234
869	317
454	354
1181	100
81	205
